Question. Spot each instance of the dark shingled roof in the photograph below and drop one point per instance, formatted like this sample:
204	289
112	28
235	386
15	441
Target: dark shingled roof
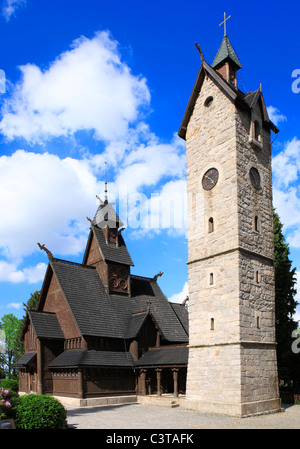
162	312
26	359
99	314
106	216
135	324
118	254
92	358
90	304
46	325
182	315
164	356
224	52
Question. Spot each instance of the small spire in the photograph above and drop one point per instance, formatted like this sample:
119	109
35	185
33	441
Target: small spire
105	190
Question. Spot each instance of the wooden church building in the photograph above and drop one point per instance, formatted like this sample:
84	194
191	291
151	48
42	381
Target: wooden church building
99	330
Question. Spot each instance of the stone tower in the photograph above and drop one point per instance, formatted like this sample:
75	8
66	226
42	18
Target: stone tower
232	366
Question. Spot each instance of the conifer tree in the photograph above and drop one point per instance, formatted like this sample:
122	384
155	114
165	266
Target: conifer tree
285	304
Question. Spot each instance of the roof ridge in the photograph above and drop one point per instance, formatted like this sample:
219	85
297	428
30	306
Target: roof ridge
71	263
155	348
136	276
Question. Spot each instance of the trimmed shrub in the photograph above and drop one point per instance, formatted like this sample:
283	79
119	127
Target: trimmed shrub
35	411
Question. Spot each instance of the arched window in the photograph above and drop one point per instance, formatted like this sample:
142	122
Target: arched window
212	324
208	101
211	279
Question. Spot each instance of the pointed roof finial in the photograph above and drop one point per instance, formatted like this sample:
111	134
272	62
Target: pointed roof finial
43	247
224	22
105	190
200	51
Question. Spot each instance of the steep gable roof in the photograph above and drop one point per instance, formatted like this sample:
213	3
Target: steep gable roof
117	254
97	313
46	325
235	95
182	315
160	309
88	300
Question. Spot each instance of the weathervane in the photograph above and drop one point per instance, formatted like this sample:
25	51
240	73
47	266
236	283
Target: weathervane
224	22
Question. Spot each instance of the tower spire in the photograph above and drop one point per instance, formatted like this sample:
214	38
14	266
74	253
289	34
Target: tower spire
105	189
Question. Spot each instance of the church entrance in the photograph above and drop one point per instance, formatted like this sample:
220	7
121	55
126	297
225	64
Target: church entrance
162	381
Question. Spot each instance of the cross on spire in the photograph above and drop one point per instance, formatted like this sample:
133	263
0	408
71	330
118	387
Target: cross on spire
224	22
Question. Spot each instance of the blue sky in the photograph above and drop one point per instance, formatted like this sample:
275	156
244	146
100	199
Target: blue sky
94	81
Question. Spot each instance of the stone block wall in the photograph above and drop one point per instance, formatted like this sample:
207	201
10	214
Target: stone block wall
232	365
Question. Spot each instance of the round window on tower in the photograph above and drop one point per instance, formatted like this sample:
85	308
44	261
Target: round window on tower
208	101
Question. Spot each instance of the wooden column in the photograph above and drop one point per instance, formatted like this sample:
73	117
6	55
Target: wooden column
158	335
134	349
27	380
80	384
143	381
175	379
158	381
39	366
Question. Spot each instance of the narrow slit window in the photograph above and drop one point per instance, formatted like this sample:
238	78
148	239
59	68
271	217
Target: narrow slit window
256	131
258	322
257	277
211	279
256	223
212	324
211	225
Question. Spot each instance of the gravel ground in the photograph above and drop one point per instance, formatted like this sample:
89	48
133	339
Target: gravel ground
138	416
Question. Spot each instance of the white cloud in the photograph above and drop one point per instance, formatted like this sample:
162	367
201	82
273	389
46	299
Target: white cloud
179	297
10	272
286	190
44	199
86	88
14	305
275	116
10	6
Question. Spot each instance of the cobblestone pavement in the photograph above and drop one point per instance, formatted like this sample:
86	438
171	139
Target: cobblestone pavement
138	416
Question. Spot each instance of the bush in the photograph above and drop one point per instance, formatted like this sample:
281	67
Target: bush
8	401
40	412
10	384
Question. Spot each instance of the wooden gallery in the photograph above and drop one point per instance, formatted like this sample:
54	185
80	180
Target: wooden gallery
100	331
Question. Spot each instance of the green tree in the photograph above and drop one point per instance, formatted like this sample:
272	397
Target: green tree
285	304
31	303
13	346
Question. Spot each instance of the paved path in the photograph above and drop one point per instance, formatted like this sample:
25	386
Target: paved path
138	416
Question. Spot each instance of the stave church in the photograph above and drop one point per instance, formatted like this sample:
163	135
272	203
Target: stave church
102	334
